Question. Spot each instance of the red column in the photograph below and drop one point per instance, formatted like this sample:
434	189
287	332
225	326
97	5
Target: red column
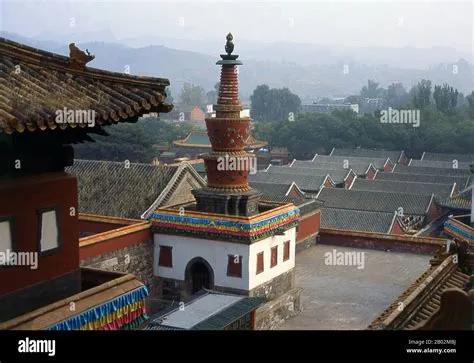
254	320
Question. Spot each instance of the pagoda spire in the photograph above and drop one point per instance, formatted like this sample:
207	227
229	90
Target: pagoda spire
228	165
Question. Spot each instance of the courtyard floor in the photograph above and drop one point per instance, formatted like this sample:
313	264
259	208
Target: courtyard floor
348	298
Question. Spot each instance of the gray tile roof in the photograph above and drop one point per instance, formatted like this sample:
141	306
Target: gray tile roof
359	169
304	182
278	192
375	201
109	188
272	189
448	157
461	181
439	190
355	220
207	311
377	162
407	169
394	156
439	164
338	176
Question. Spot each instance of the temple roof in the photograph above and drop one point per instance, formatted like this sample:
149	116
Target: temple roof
466	158
355	220
280	192
461	201
439	164
419	302
407	169
375	201
36	84
338	176
110	188
208	310
201	140
307	183
394	156
439	190
461	181
359	169
379	163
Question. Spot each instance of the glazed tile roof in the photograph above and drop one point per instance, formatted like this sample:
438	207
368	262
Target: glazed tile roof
35	84
407	169
356	220
339	175
394	156
305	182
359	169
466	158
439	190
375	201
422	298
208	310
109	188
379	163
460	201
461	181
439	164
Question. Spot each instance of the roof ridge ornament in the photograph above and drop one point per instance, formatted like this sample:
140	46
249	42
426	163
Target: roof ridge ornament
78	57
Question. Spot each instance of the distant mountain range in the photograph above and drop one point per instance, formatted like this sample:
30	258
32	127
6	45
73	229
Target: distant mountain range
309	70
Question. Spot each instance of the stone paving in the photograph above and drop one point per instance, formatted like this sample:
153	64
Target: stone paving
348	298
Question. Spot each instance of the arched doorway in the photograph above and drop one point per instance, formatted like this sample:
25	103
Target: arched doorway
199	275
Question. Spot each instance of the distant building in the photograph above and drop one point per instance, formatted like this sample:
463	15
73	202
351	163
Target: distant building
370	105
327	108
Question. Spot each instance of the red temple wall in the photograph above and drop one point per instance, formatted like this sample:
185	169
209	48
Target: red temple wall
21	199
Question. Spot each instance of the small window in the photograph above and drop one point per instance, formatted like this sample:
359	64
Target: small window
260	262
48	230
6	239
274	256
166	256
286	250
234	266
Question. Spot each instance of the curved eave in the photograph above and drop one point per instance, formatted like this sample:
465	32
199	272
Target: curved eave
37	84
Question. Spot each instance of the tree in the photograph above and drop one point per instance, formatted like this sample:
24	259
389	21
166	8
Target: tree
446	98
192	96
212	95
169	98
470	108
133	142
421	94
396	95
372	90
272	104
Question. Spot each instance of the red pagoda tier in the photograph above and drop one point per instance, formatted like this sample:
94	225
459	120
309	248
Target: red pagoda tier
228	165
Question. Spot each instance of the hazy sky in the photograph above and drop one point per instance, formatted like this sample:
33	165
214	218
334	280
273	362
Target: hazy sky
353	23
